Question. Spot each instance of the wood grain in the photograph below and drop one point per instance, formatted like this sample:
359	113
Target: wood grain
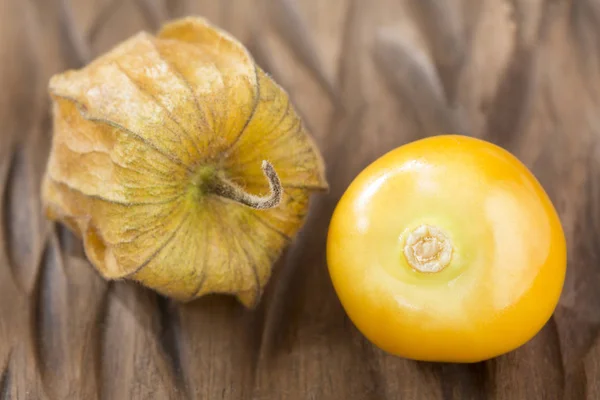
366	77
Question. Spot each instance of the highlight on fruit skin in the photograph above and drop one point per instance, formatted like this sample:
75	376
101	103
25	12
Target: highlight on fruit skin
447	249
180	163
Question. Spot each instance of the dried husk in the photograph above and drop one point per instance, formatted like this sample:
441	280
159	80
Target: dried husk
141	135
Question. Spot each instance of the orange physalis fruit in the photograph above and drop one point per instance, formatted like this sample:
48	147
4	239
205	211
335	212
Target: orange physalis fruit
447	249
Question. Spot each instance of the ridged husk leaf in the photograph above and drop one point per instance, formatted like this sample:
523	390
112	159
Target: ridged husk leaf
136	133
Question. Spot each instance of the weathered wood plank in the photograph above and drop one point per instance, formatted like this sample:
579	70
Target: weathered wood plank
366	77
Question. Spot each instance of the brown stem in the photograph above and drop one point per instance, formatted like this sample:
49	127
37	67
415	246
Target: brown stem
225	188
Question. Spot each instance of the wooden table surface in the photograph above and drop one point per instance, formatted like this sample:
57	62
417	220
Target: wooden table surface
366	76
